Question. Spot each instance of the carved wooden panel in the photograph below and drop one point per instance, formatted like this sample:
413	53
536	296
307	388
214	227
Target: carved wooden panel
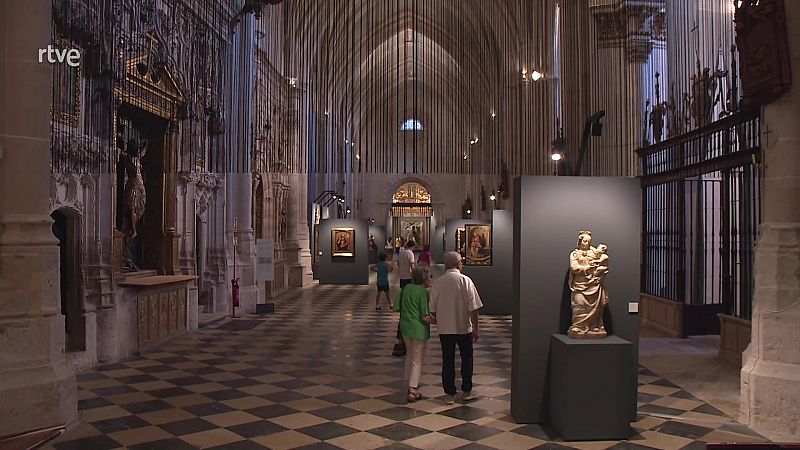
152	309
182	309
163	313
160	314
764	50
141	318
173	311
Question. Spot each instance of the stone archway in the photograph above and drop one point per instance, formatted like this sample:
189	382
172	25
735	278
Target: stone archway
67	229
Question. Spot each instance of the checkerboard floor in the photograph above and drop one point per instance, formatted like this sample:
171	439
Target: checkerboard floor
318	374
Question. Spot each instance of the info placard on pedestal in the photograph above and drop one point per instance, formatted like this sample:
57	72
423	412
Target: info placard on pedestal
591	384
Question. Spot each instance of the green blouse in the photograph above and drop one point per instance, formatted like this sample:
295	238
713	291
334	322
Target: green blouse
413	306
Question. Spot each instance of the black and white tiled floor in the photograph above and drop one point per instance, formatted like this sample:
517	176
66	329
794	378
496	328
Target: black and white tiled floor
318	374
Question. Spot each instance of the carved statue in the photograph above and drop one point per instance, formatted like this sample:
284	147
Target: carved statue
674	120
588	268
135	197
658	114
704	90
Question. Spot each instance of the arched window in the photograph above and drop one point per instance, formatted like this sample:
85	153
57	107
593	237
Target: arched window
411	125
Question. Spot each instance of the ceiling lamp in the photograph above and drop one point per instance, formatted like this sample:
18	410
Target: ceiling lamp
536	75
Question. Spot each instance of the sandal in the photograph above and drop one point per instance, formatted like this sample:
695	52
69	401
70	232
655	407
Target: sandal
412	397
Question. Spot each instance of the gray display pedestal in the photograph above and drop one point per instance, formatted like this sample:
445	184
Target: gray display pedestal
591	383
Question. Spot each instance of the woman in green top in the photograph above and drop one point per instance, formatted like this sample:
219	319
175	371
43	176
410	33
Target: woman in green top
415	320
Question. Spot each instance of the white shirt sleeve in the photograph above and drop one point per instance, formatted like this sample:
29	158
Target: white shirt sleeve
472	297
434	298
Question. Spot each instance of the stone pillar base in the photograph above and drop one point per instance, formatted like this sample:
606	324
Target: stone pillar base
248	298
299	276
37	397
771	389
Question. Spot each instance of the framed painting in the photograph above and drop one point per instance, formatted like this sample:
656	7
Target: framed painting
460	239
414	229
478	245
343	242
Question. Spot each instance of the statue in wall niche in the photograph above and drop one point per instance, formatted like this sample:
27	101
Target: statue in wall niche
588	267
135	198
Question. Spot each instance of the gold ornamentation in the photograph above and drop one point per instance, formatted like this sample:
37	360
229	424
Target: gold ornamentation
66	105
411	192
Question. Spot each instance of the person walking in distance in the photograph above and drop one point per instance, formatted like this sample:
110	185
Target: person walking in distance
383	270
405	263
454	304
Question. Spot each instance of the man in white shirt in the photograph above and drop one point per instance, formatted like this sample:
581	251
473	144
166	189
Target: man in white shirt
455	303
405	263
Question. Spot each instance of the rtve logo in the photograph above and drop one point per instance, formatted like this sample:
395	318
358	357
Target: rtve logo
70	56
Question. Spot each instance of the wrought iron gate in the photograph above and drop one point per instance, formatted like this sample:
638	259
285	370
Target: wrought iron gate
701	212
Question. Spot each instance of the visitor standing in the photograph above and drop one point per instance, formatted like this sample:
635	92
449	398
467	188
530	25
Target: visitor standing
383	270
405	263
415	320
425	258
455	303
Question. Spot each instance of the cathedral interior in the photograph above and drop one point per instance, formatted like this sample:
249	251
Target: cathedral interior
193	194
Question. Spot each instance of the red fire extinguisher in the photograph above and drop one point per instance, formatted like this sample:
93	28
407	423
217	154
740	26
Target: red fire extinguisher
234	296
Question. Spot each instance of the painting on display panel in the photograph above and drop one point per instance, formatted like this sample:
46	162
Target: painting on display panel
414	229
478	245
460	240
343	242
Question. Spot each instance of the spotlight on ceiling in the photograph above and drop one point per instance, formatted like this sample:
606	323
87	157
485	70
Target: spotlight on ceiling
555	156
494	114
469	211
358	157
492	197
536	75
473	141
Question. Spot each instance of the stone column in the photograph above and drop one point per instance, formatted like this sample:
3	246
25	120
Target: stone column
239	179
37	386
626	30
297	247
770	387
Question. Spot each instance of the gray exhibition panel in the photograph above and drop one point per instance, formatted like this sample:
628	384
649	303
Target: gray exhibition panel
344	270
548	214
437	241
591	387
495	282
379	231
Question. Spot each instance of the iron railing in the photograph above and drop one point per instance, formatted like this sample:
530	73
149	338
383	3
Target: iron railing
701	212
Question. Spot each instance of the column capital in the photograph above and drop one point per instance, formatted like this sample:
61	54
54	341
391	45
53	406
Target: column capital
634	25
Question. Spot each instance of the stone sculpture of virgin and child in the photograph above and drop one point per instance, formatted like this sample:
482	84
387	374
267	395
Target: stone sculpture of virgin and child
588	268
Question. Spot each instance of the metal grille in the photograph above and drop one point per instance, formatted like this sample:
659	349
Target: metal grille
701	212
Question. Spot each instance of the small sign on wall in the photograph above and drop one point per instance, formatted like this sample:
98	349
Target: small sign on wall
265	269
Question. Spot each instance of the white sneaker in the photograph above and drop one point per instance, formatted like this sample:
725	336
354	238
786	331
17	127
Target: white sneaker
449	399
468	396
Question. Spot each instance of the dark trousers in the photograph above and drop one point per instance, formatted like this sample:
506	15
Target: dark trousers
403	283
449	342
